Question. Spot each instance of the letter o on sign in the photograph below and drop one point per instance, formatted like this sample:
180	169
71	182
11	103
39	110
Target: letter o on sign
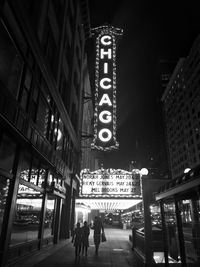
105	135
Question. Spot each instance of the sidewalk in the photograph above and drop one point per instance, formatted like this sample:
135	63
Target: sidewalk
115	252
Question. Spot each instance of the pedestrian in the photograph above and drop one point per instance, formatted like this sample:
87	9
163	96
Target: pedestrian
133	237
85	238
97	227
77	240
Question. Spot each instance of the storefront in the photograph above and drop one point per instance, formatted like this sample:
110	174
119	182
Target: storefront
180	210
33	199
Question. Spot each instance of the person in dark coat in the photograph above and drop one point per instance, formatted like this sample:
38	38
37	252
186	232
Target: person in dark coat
77	240
85	238
97	227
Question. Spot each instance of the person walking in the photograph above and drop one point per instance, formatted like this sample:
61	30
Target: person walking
77	240
97	227
85	238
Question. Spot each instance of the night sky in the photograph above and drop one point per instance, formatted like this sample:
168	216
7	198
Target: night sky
153	32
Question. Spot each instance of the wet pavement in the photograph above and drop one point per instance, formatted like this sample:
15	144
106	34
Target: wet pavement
115	252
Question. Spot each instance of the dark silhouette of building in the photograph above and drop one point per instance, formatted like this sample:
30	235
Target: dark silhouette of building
42	50
181	101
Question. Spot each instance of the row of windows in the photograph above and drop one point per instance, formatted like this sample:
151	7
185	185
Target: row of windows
181	109
47	36
25	83
31	167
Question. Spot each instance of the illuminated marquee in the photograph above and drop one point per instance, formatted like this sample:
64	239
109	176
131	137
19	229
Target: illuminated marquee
110	184
105	89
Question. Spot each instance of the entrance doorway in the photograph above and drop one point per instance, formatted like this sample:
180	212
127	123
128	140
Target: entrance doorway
189	207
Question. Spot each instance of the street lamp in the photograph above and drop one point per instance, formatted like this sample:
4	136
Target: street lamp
144	171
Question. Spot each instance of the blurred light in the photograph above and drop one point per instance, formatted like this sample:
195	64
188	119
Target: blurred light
187	170
59	135
144	171
109	204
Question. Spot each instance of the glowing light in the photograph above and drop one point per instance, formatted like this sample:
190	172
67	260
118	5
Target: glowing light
105	100
103	40
109	204
105	67
105	116
109	183
144	171
59	135
105	135
104	83
106	53
187	170
105	79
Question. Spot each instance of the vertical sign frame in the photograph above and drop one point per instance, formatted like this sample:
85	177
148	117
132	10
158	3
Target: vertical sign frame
105	89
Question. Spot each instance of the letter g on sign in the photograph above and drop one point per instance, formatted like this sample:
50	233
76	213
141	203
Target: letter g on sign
105	116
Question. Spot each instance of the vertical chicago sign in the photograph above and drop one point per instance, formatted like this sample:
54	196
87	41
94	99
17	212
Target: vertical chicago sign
105	89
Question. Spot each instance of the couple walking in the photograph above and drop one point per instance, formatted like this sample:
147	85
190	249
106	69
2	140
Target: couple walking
81	237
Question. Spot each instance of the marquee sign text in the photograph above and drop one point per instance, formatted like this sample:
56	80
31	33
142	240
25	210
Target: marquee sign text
110	183
105	90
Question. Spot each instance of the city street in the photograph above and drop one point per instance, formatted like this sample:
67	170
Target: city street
115	252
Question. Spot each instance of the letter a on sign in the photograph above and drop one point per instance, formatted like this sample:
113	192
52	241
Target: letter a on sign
105	87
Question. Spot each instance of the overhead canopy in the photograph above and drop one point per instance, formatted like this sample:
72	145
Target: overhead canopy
108	204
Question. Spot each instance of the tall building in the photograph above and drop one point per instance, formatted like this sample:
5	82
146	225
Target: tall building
89	156
42	51
181	101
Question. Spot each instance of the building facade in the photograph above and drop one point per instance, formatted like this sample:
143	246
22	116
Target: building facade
89	157
42	50
181	101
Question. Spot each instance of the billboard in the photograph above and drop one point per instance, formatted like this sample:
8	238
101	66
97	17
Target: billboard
109	183
105	89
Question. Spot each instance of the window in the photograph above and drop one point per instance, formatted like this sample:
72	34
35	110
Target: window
7	153
43	116
59	147
42	176
49	223
34	171
25	167
34	101
26	89
11	63
172	232
64	91
50	50
190	216
4	187
27	215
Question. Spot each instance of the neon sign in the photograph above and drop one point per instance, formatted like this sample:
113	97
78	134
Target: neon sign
105	89
110	183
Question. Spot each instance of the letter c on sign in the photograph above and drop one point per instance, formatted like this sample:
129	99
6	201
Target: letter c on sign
105	116
103	40
105	135
103	81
